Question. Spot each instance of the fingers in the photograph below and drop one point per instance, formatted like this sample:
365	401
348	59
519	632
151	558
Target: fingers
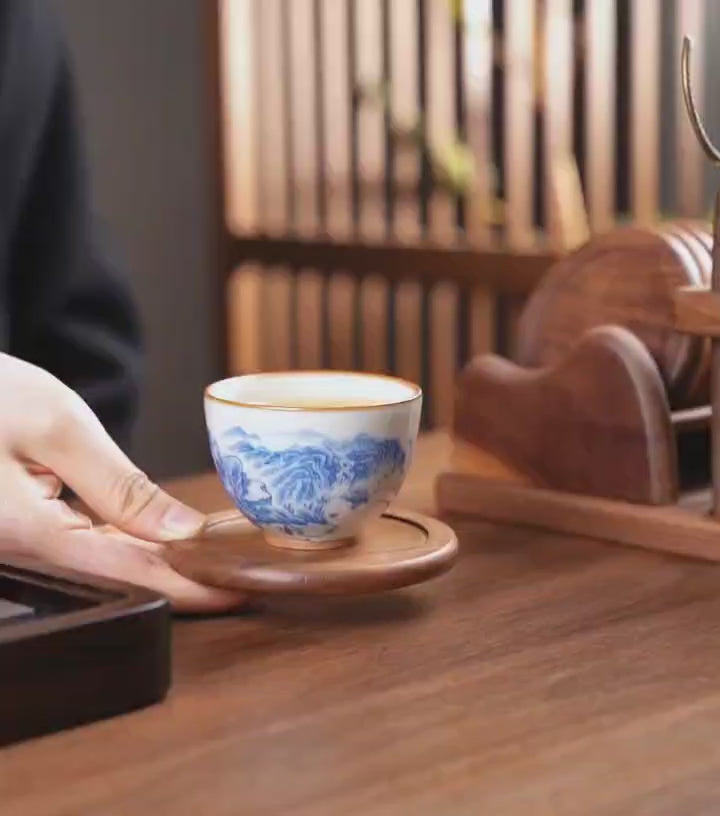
78	449
117	557
109	530
49	436
52	532
48	485
26	519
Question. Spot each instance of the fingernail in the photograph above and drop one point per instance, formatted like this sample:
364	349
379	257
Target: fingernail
181	521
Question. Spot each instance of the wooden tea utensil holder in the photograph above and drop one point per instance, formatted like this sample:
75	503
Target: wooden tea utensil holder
608	432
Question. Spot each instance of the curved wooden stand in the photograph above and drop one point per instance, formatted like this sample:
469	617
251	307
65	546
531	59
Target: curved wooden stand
654	282
592	435
598	422
398	549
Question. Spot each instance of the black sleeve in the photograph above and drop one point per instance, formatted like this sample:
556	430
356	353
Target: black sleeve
70	312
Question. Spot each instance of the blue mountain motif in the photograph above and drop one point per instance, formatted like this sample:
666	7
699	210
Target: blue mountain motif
301	489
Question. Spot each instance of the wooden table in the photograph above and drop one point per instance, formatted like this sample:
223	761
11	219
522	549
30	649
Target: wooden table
543	675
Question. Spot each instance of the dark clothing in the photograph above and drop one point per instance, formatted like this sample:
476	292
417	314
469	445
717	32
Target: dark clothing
61	305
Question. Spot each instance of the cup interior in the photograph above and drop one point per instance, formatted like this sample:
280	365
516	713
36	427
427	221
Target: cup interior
295	390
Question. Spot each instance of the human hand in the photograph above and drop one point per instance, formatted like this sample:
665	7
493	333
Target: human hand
50	437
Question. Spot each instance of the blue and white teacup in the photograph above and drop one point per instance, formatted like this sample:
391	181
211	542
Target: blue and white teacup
310	456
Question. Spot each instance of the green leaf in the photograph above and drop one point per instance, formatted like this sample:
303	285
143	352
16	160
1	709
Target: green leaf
457	9
457	164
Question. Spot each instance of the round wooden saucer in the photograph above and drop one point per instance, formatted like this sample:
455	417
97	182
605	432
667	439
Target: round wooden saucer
398	549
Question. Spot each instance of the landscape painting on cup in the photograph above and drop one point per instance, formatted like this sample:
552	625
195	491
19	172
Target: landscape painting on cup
302	488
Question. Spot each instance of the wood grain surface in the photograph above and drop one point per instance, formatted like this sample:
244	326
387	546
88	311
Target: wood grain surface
697	311
543	675
697	238
627	278
597	422
685	529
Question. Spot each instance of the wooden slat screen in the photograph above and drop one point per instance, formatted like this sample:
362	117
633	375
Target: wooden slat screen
430	123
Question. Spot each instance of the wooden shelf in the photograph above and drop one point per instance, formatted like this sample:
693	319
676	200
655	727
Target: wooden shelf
504	270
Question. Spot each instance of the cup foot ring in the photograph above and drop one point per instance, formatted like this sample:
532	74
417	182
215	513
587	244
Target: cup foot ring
304	545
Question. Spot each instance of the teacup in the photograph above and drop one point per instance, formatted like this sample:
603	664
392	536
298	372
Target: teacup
310	456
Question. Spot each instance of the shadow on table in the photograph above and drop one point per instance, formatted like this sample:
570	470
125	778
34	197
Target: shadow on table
348	612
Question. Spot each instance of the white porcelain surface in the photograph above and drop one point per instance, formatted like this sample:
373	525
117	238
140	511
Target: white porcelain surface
306	473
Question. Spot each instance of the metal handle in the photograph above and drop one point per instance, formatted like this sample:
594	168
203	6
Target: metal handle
708	147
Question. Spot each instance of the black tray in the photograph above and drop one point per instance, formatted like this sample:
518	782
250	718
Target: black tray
74	649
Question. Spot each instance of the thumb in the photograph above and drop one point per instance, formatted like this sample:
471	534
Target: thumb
78	449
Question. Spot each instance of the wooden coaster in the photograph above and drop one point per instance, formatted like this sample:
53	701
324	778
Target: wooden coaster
695	390
702	230
398	549
626	278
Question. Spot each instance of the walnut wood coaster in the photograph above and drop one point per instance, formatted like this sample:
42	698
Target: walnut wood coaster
398	549
628	278
544	674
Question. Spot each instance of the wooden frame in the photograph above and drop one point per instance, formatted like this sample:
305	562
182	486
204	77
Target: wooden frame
303	230
684	530
589	442
513	274
108	645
